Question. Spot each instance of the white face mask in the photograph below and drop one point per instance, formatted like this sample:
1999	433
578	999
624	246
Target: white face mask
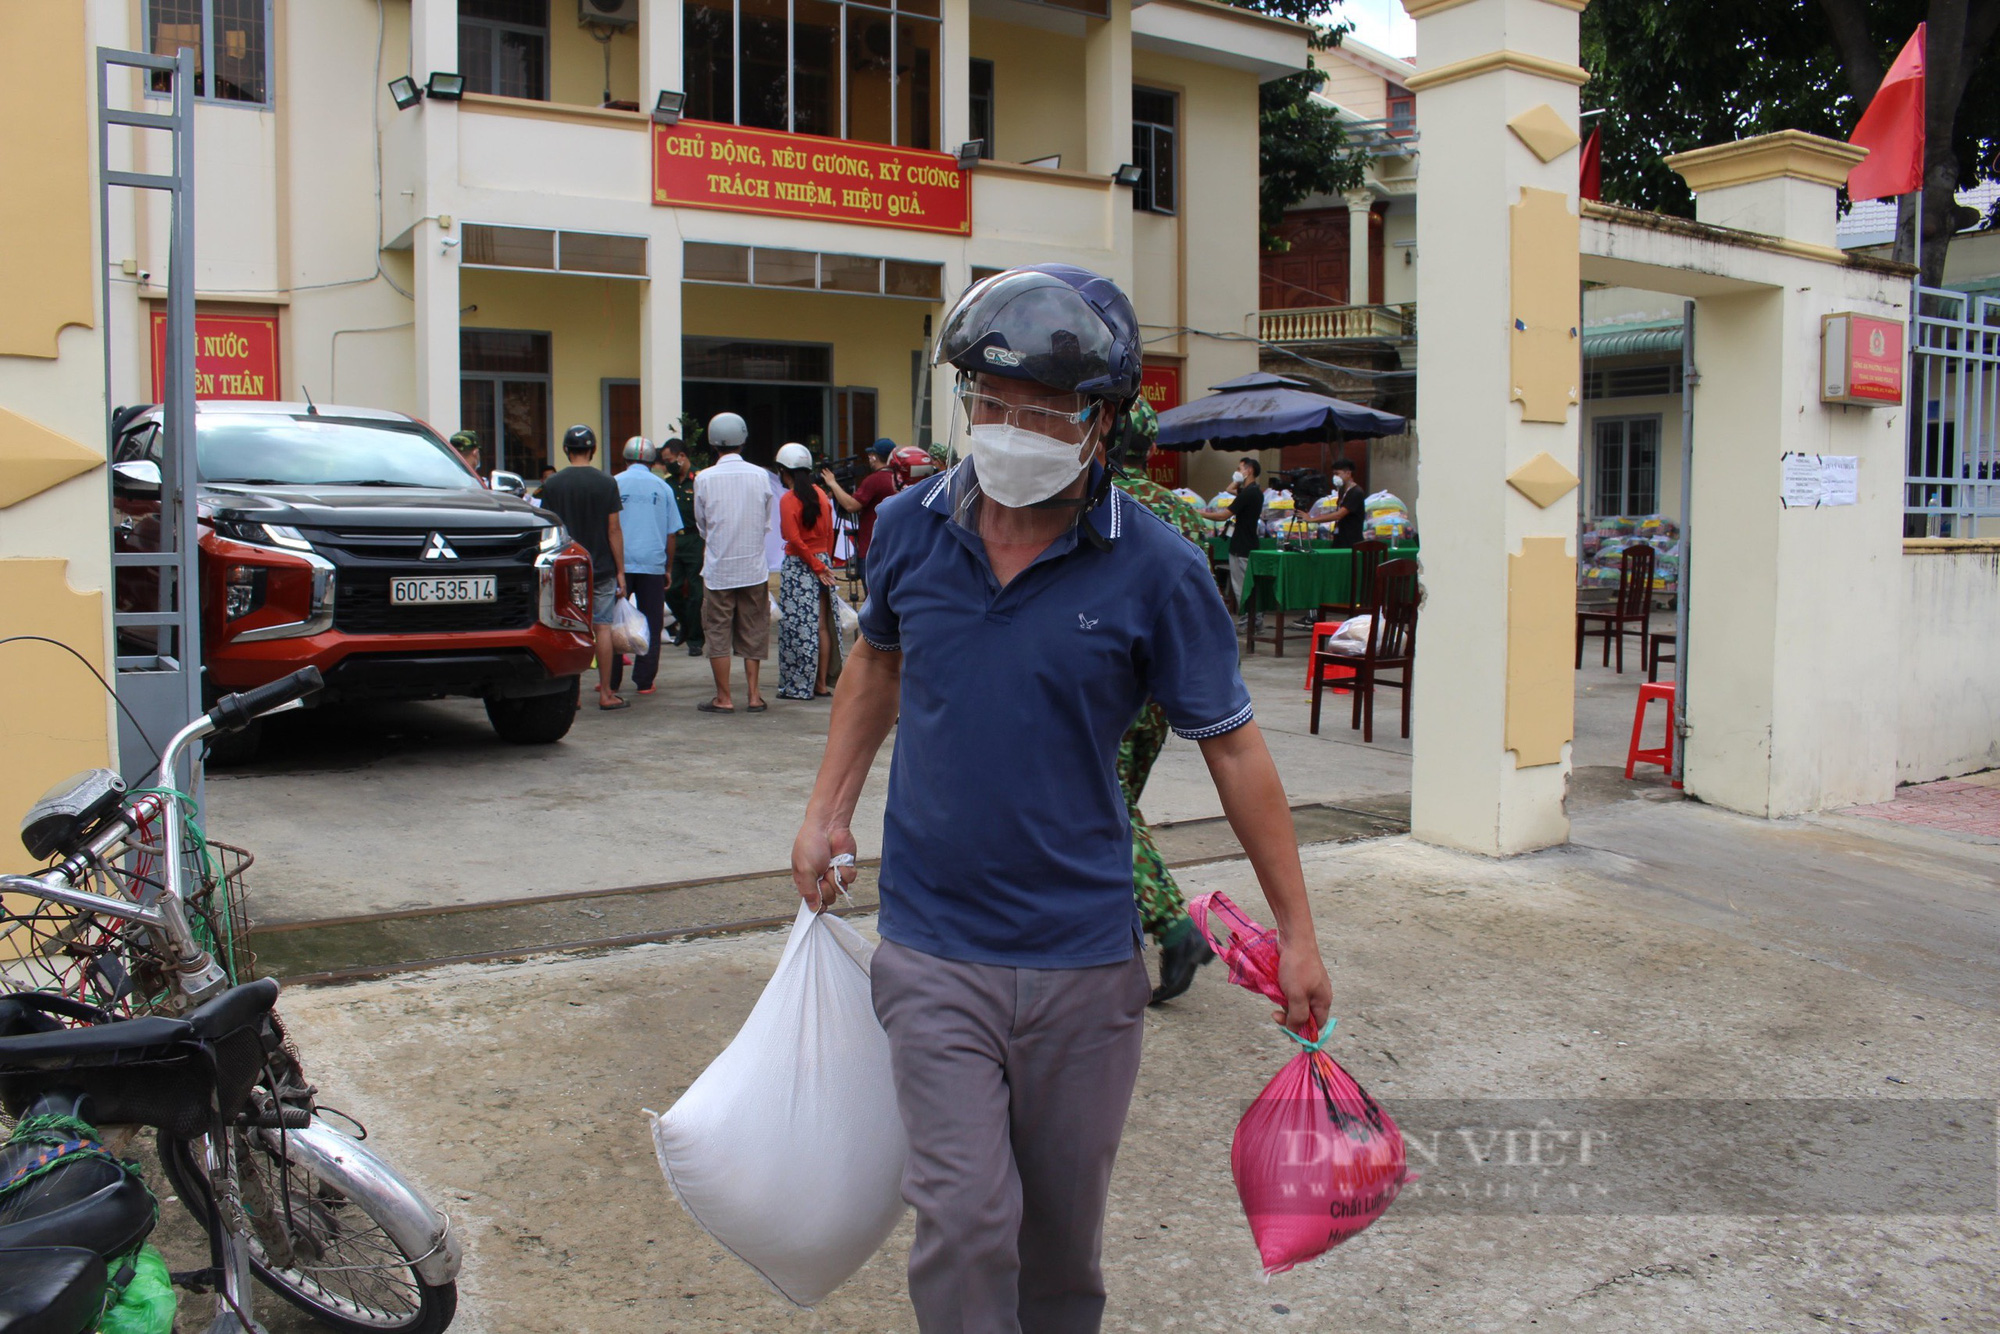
1018	467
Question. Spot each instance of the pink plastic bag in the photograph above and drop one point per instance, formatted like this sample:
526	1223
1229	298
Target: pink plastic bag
1315	1159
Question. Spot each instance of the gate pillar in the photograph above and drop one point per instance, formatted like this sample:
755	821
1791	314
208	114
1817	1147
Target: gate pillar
1498	387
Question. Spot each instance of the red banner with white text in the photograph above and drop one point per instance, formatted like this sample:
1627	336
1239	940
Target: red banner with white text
235	356
697	164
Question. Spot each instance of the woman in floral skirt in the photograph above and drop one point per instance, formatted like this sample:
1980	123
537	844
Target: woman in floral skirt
808	644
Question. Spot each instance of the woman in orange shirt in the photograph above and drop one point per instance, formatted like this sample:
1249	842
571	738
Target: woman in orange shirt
808	646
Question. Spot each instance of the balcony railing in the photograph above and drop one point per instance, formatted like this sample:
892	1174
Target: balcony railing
1333	324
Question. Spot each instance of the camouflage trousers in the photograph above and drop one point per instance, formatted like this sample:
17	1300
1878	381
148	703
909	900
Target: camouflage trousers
1162	911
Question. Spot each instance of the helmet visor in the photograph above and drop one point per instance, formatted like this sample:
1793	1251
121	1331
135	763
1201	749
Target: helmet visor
1028	326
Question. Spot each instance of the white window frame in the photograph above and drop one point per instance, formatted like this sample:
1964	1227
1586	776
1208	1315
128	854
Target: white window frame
498	26
208	59
1625	508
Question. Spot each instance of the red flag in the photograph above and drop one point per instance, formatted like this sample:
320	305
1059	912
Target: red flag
1590	167
1892	129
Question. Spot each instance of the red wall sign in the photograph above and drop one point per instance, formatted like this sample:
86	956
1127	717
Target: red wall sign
1861	360
235	356
1161	387
697	164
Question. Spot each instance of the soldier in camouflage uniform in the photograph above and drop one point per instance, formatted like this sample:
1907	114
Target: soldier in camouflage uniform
684	574
1162	911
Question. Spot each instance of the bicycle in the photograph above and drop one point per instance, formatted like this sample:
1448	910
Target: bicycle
138	916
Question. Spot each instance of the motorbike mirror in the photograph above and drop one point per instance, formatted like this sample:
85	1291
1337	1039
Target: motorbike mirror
139	478
510	482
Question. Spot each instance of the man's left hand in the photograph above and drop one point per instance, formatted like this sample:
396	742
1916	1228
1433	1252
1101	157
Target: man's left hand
621	585
1308	990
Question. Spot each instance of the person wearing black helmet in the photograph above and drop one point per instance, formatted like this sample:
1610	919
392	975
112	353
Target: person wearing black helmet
585	498
1020	612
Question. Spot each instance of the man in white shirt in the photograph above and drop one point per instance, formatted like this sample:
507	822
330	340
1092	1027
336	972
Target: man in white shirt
732	512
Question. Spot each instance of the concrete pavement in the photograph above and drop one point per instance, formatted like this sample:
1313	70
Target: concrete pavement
1679	953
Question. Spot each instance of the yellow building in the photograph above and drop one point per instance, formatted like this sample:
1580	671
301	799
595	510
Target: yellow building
529	246
55	543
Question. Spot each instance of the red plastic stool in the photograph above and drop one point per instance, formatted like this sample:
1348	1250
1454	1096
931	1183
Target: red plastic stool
1664	756
1323	630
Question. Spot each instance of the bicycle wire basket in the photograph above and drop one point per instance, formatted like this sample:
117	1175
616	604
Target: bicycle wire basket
121	965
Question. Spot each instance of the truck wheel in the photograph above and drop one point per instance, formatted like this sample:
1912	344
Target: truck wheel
536	720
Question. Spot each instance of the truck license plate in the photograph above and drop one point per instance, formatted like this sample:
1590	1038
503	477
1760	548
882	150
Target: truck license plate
433	591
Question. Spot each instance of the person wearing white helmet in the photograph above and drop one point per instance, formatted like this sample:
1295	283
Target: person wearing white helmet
808	648
650	519
732	511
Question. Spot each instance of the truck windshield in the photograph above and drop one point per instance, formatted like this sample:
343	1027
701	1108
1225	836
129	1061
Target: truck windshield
284	449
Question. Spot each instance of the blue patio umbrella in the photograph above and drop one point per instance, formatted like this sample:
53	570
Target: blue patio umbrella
1266	411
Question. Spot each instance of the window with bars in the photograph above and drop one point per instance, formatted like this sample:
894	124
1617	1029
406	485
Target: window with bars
1633	381
979	89
1627	471
503	47
808	270
604	253
1402	115
846	69
229	38
1154	114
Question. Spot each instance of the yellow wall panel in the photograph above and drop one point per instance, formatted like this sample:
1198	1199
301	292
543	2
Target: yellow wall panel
45	214
53	719
1546	276
1541	630
33	458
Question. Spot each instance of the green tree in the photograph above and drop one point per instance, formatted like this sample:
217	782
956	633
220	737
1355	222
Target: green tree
1670	75
1302	148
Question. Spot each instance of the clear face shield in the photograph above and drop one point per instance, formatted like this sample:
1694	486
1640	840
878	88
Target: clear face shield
1027	444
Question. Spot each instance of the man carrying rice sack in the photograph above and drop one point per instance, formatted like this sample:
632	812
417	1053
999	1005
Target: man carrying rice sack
1021	611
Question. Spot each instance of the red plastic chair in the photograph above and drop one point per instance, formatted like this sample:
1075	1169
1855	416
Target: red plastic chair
1664	754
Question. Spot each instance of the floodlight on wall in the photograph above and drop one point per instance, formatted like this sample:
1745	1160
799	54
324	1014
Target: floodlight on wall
970	152
406	92
667	111
1127	174
445	87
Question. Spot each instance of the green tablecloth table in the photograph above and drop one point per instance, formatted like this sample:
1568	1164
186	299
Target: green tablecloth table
1289	581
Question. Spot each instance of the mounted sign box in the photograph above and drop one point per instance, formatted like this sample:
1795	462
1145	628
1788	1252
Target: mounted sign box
235	356
1860	360
698	164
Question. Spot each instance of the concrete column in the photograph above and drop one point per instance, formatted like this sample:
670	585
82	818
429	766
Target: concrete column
1107	109
660	339
1497	388
659	53
1771	731
1107	99
434	47
1359	204
957	57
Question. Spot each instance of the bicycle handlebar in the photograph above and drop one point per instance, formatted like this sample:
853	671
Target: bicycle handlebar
233	713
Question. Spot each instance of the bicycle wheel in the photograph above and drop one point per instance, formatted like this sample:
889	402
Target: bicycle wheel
315	1247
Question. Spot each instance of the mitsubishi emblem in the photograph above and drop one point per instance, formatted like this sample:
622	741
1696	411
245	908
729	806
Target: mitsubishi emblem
439	549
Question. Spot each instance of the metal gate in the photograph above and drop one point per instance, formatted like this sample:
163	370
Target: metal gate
157	633
1952	482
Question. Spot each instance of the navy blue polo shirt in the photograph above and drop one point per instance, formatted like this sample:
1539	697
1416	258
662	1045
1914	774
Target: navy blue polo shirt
1006	839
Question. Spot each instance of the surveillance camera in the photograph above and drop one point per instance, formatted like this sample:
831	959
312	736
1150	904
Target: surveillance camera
450	241
145	275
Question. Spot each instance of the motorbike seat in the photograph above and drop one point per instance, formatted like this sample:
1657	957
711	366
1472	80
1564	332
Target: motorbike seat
81	1200
50	1290
234	1009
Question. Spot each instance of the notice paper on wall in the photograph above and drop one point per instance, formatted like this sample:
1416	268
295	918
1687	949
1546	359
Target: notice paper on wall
1814	481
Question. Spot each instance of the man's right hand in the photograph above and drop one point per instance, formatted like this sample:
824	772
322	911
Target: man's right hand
813	873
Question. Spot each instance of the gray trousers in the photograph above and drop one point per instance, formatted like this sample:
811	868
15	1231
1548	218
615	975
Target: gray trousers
1013	1085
